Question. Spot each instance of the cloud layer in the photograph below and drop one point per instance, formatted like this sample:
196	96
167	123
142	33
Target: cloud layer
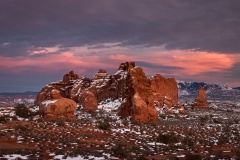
186	39
201	25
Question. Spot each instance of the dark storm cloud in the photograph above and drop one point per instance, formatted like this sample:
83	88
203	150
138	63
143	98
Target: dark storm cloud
212	25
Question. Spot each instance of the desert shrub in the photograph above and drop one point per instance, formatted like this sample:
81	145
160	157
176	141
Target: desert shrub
23	111
236	120
204	119
125	122
163	116
79	151
21	128
188	141
218	154
104	125
142	158
14	118
173	158
217	121
92	113
237	155
3	119
60	121
193	157
223	139
120	149
167	138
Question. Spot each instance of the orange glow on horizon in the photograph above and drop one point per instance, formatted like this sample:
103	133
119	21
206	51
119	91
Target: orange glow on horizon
194	62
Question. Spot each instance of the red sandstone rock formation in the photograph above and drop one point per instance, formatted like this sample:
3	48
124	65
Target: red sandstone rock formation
118	86
86	91
78	87
102	81
88	101
103	85
163	88
138	100
70	76
58	107
201	100
45	93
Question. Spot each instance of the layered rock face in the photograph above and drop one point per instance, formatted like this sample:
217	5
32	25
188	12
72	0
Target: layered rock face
138	100
164	90
201	100
58	107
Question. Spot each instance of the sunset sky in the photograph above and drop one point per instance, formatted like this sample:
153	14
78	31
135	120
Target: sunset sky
191	40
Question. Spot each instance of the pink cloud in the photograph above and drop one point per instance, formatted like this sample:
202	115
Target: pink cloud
193	62
50	63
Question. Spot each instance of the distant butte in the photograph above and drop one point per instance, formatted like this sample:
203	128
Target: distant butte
201	100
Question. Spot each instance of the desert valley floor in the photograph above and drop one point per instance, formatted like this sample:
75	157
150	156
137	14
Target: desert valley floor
212	133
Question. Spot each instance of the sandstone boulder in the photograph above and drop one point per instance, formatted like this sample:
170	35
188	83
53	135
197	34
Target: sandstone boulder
138	101
201	100
88	101
58	107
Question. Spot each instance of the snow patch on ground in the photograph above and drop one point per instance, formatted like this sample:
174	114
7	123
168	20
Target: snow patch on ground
15	156
109	105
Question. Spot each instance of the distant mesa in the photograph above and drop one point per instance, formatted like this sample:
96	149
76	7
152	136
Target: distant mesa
140	95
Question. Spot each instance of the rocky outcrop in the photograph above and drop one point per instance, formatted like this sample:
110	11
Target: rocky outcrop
103	85
78	87
138	100
201	100
129	82
70	76
45	93
58	107
88	101
164	88
118	86
170	108
102	81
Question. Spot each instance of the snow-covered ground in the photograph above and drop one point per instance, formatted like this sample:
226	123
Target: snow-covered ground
201	131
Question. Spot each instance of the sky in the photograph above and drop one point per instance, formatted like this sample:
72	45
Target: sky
190	40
